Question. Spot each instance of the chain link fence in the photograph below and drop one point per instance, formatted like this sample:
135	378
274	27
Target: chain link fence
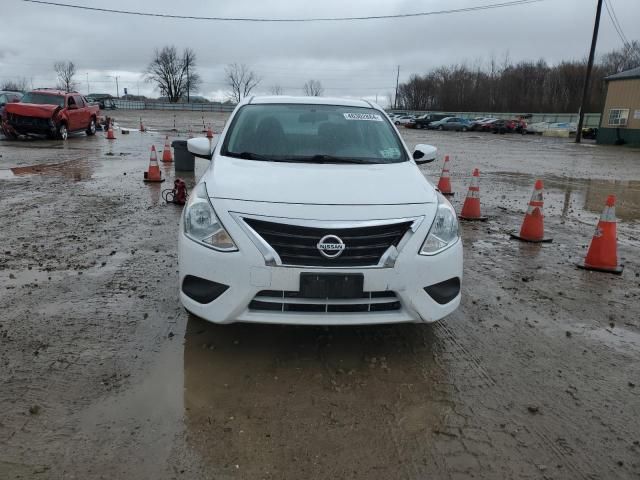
590	119
155	105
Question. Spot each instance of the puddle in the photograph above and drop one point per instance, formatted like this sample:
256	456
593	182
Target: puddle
590	194
155	401
78	169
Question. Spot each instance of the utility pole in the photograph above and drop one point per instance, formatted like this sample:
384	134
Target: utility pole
117	88
587	78
395	100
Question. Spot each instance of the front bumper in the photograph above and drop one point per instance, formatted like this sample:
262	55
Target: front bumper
20	125
245	274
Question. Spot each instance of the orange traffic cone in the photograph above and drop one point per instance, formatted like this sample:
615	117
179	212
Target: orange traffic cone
209	132
444	184
471	207
154	174
166	153
532	229
603	250
142	129
110	135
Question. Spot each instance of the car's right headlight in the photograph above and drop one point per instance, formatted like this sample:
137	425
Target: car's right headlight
202	225
443	232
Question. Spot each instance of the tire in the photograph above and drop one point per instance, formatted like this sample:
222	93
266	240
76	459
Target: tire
9	135
464	129
440	127
63	133
92	127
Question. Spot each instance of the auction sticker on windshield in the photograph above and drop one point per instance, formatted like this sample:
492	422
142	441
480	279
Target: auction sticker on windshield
363	116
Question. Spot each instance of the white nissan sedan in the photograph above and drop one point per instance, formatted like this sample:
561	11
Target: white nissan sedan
313	212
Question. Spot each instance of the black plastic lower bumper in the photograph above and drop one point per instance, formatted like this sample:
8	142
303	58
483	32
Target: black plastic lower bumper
444	292
201	290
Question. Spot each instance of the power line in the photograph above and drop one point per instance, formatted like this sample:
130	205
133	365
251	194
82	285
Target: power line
616	23
290	20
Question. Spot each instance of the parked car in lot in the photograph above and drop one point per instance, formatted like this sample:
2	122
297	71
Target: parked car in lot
451	123
503	126
478	123
403	120
49	112
423	121
8	97
297	220
520	126
105	100
486	125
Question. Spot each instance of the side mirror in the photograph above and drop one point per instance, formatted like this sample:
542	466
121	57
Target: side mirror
424	154
73	107
15	100
202	147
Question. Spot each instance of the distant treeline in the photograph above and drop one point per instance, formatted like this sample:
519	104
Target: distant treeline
533	87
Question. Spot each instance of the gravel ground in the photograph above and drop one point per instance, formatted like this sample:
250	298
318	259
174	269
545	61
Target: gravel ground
103	374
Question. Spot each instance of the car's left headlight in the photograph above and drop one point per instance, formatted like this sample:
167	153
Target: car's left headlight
443	232
202	225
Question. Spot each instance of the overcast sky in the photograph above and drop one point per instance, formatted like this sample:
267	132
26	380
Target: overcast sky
356	59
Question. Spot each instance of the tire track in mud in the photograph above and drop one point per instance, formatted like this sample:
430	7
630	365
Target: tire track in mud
490	388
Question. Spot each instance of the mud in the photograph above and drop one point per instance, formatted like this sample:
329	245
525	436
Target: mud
103	375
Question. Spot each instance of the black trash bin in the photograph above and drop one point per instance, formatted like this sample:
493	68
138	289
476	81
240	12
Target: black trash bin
185	161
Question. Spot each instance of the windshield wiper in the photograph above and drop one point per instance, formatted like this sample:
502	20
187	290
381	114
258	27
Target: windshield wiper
246	155
311	159
332	159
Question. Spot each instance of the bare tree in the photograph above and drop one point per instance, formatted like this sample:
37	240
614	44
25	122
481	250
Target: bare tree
276	90
241	80
174	75
506	86
18	85
313	88
626	58
193	79
65	72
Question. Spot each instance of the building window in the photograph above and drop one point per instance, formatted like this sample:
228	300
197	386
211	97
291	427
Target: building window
618	117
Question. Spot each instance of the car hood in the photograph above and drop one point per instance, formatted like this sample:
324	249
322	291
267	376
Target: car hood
32	109
318	184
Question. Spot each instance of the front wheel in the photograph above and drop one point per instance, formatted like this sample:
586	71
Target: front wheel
9	134
63	133
464	129
440	128
91	130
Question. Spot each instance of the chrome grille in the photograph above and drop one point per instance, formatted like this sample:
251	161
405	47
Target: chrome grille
286	301
297	245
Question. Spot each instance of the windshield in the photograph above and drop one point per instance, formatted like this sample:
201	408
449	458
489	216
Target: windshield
312	133
43	99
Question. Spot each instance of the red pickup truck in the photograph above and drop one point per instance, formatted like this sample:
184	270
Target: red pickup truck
54	113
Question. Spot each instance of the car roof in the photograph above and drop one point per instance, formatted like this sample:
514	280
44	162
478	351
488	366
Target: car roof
53	91
344	102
